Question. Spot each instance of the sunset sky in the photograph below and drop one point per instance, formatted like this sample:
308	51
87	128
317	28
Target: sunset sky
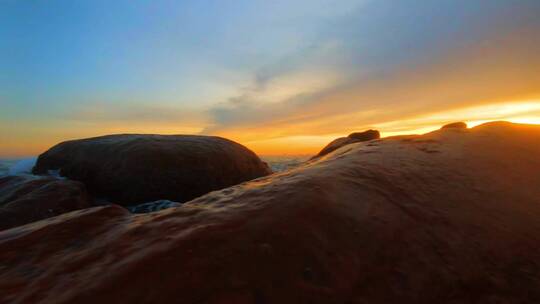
281	77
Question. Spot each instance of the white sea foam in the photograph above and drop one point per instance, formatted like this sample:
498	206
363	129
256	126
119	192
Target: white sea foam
55	173
23	166
153	206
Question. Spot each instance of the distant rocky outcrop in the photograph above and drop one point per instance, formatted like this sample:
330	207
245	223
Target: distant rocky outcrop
131	169
445	217
26	198
455	125
352	138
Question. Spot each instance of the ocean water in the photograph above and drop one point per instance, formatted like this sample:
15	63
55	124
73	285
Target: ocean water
17	166
278	163
6	164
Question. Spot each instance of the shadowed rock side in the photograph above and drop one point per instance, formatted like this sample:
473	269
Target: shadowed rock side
26	198
446	217
351	139
130	169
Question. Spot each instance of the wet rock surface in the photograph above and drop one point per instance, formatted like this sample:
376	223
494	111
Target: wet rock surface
379	223
26	198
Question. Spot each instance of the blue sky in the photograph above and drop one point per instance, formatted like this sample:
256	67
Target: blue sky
145	49
252	70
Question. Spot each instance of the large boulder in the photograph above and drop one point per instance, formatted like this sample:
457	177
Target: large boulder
351	139
26	198
446	217
131	169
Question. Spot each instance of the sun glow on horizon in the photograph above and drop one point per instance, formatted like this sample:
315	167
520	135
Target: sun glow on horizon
525	112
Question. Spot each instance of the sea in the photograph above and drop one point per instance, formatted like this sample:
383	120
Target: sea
6	164
278	163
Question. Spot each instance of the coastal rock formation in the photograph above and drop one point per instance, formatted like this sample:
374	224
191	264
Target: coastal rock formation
445	217
352	138
26	198
455	125
131	169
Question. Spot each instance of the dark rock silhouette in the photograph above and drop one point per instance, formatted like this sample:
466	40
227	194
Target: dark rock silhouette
455	125
365	136
26	198
131	169
352	138
385	223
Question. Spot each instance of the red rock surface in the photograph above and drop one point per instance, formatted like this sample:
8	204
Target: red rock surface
132	169
351	139
452	216
26	198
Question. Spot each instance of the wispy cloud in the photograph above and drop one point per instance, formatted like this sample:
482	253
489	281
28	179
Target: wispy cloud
429	58
97	112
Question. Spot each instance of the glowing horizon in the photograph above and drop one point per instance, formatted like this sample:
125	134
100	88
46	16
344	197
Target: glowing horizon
523	112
